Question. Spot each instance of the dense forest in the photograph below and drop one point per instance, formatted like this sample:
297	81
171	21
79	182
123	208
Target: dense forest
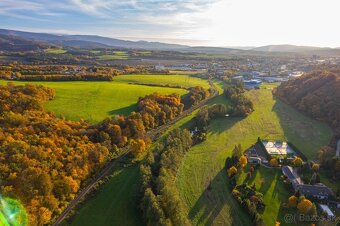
43	159
317	94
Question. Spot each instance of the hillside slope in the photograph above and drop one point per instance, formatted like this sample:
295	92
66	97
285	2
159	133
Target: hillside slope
316	94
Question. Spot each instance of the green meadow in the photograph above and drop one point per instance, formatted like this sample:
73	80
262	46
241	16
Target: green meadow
171	80
56	51
202	179
95	101
116	55
115	203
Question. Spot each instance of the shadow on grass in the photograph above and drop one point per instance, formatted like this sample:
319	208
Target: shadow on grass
123	111
301	130
218	126
215	197
250	180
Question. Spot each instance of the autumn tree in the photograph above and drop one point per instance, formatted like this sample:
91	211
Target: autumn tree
232	171
315	167
304	205
292	201
243	161
297	162
138	147
273	162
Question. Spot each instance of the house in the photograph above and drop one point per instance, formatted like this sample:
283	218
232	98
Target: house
254	160
319	191
253	157
327	210
292	176
277	147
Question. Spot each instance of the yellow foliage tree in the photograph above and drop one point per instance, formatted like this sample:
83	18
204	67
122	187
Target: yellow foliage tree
44	215
292	201
304	205
297	162
232	171
138	147
273	162
243	161
315	167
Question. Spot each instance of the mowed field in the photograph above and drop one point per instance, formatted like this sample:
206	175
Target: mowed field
204	163
95	101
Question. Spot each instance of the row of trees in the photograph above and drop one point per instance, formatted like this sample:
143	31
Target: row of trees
160	202
152	111
44	160
196	94
27	72
234	91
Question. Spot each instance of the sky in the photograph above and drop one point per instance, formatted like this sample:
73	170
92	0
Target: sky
191	22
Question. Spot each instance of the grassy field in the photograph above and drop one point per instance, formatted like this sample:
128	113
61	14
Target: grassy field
56	51
95	101
172	80
95	51
114	203
116	55
204	163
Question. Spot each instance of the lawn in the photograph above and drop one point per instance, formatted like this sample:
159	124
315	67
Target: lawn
114	203
275	192
204	163
95	101
56	51
172	80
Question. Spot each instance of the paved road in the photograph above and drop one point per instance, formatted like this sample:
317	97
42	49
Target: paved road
153	134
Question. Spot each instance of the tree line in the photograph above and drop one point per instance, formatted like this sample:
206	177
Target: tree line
28	72
160	201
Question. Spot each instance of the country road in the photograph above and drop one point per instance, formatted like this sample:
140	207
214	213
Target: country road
153	134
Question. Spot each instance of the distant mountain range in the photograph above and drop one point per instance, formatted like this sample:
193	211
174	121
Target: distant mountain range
286	48
20	39
91	41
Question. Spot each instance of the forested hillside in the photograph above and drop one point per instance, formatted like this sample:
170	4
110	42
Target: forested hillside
317	94
43	159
